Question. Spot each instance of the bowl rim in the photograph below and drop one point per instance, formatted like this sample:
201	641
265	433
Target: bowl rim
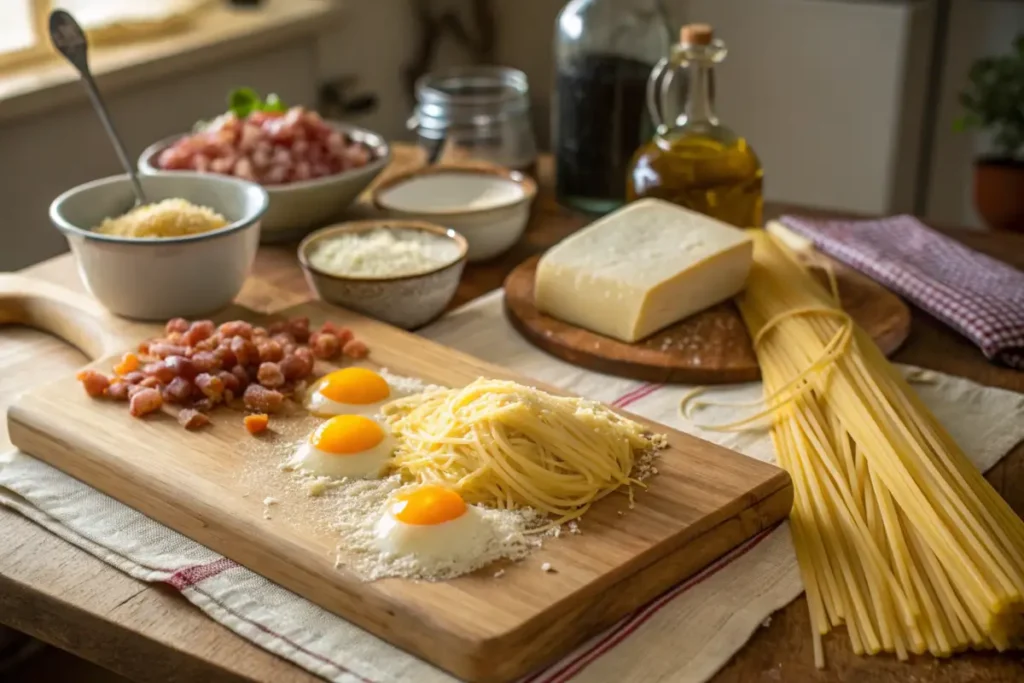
350	227
376	141
525	182
67	227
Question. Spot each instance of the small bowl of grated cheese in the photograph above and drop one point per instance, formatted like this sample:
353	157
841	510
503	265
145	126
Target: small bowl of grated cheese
402	272
185	253
167	218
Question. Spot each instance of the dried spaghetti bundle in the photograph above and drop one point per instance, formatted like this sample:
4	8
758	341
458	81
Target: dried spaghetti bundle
898	535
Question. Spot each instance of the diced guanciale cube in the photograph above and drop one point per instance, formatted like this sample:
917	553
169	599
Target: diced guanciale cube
299	329
261	399
212	387
256	422
355	348
325	345
198	331
236	328
118	390
192	419
270	375
296	367
269	351
176	325
178	390
145	401
94	382
129	363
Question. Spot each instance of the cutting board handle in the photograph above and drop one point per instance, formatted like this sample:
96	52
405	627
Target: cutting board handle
75	318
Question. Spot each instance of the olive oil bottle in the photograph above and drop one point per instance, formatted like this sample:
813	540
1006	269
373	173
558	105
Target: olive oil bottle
696	161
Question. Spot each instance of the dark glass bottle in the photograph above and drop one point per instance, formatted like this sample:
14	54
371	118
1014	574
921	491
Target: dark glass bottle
604	52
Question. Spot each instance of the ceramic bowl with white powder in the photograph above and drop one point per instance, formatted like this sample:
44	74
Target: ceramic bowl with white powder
488	205
401	272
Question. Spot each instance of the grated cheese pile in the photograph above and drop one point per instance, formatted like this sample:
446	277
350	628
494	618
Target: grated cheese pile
362	502
383	253
167	218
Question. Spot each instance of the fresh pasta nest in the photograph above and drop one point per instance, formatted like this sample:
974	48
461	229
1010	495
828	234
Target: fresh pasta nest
506	445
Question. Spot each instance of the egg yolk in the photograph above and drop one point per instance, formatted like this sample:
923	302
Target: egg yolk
428	505
347	434
354	386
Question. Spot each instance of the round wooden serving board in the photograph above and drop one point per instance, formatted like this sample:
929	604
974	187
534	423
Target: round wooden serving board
711	347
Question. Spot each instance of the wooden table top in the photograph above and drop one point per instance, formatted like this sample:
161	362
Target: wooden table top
64	596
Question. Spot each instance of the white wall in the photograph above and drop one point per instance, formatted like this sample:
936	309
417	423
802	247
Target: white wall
975	29
822	90
377	40
830	93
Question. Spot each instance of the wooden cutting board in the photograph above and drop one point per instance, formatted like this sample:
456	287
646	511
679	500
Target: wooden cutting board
704	501
711	347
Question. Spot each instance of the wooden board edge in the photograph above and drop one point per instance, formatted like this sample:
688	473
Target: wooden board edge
596	362
546	638
628	369
892	340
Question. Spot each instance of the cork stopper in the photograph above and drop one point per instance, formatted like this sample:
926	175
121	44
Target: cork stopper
696	34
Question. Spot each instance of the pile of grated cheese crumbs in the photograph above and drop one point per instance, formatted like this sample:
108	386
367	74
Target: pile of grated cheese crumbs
383	253
167	218
363	501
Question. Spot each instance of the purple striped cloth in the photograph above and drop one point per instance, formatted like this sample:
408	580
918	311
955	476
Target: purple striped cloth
980	297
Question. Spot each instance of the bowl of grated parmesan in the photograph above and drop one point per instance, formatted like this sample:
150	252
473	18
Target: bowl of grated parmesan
185	253
401	272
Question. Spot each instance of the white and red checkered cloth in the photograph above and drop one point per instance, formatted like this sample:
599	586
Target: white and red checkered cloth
978	296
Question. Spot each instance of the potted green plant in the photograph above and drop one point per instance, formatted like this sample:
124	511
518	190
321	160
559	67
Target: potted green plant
994	102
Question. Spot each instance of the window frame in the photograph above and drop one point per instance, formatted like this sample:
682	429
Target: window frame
116	34
40	49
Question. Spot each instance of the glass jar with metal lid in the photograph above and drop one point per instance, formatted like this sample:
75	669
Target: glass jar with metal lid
478	112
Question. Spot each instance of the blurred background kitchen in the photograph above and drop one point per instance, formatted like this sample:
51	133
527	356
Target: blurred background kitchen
850	104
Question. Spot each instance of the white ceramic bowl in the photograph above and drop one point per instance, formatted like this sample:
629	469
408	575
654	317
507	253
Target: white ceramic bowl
488	205
161	278
297	208
406	301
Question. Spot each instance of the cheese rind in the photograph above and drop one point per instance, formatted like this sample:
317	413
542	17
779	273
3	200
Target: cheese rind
641	269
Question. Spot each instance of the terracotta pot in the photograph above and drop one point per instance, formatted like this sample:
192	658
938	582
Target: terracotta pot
999	192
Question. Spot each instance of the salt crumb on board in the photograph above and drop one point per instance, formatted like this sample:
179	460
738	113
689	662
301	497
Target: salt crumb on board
546	567
500	573
358	515
317	486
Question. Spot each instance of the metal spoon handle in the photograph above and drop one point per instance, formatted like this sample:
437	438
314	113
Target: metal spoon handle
69	39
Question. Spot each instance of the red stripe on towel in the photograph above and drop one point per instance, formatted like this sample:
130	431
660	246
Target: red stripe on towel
624	628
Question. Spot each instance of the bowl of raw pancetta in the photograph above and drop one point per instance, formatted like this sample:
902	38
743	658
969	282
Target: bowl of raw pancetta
311	168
